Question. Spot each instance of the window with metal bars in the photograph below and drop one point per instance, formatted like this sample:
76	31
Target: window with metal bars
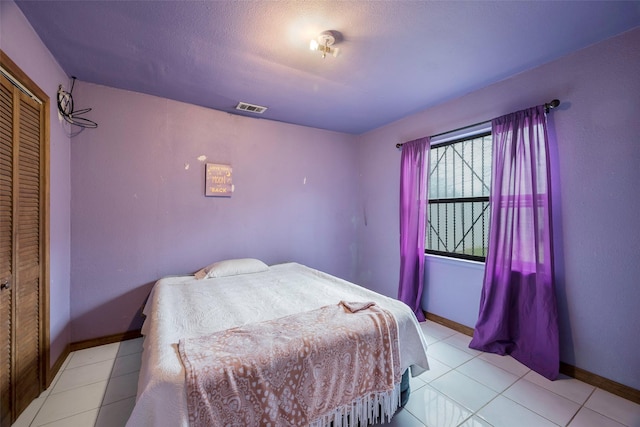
459	187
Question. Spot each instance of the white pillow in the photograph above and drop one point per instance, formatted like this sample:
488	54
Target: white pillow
231	267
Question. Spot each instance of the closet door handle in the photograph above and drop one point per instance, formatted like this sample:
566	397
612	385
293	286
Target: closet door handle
5	285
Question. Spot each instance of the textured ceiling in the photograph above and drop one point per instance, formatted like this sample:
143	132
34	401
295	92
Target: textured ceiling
396	57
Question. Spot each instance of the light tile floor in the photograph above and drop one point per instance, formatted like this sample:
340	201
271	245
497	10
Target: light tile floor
464	387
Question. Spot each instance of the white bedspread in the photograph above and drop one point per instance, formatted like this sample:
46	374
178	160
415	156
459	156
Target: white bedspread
182	307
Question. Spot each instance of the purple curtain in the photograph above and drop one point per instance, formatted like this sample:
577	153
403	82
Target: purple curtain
518	310
414	173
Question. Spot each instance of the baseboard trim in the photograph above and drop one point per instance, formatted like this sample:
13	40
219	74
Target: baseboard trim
53	370
605	384
458	327
109	339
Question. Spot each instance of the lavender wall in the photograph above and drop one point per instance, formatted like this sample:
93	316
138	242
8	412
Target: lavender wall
139	211
596	176
20	42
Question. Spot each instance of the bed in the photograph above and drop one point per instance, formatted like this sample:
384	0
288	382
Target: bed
188	307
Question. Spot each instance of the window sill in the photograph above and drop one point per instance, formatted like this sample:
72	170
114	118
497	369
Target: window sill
476	265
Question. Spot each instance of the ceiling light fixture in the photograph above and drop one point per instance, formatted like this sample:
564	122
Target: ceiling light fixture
324	43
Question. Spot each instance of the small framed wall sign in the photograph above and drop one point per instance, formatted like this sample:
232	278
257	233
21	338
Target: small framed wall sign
218	180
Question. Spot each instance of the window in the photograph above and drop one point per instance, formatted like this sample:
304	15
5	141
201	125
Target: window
459	186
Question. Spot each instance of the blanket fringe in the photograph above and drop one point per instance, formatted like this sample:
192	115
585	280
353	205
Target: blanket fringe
364	410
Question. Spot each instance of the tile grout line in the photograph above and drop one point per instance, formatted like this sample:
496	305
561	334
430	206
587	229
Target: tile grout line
475	413
583	405
521	377
499	393
113	364
50	393
65	418
83	385
555	392
51	387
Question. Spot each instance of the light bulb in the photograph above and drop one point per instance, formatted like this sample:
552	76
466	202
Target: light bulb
313	45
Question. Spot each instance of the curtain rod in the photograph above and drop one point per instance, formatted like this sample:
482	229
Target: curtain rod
548	106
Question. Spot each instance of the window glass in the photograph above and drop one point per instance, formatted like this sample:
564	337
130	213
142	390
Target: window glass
459	187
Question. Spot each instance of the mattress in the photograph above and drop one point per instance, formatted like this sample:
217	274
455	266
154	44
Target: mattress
183	307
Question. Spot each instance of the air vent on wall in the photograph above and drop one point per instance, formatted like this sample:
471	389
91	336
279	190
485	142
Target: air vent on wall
243	106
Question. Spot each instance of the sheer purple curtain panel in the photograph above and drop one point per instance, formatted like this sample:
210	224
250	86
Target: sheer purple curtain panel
414	174
518	309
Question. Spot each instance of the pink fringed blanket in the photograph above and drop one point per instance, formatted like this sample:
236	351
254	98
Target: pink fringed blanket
333	364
